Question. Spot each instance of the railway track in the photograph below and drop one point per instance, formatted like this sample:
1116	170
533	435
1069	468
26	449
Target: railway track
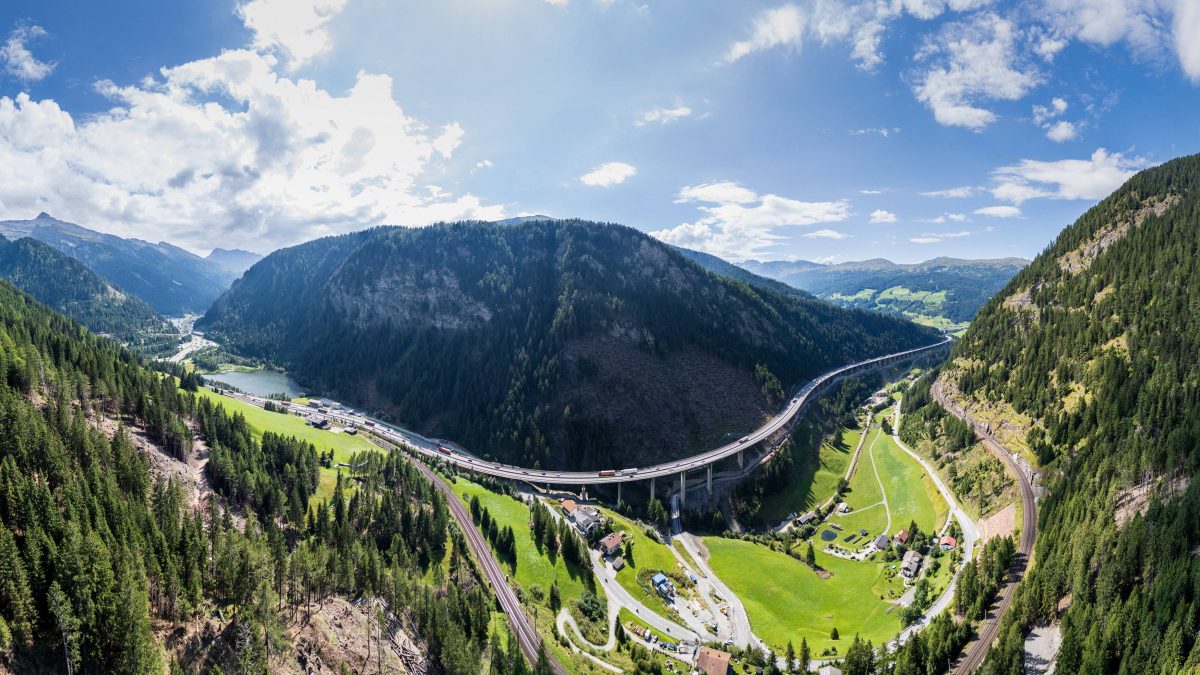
989	630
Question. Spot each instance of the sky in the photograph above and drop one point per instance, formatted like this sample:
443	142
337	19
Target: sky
826	130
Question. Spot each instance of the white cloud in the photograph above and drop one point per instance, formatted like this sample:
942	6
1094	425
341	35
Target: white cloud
975	61
999	212
557	3
736	222
1062	131
883	131
1090	179
296	30
1042	113
954	193
1187	37
870	192
880	216
936	237
663	115
18	61
780	27
226	149
482	164
605	175
1106	22
826	234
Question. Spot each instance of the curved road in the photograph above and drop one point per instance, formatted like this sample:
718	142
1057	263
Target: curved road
990	629
668	469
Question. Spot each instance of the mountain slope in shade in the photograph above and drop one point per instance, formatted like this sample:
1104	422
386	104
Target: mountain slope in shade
68	286
171	280
1087	362
233	262
563	343
727	269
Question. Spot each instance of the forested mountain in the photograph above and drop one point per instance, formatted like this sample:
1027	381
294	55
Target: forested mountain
727	269
68	286
949	289
1093	349
564	343
170	279
232	261
110	566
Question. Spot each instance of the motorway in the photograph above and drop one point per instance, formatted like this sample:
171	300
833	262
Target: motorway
527	635
465	460
990	628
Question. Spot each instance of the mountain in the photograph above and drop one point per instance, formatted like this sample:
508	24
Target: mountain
727	269
944	292
564	343
170	279
1087	361
69	287
232	262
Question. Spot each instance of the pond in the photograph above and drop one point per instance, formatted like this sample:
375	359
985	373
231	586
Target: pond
259	382
828	535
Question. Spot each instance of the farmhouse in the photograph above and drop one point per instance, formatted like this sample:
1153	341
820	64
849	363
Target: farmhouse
948	543
911	564
712	661
805	519
901	537
610	544
881	542
318	422
585	522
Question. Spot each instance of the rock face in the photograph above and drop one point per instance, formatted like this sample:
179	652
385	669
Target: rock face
564	343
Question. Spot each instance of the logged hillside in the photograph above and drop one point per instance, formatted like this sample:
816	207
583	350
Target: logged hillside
945	292
1091	352
563	343
168	278
69	287
118	557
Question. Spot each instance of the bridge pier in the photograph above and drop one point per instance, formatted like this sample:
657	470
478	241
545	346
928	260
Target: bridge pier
682	489
740	462
583	493
710	479
651	488
619	494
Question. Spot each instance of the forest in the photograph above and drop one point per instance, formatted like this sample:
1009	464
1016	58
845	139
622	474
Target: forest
101	557
1096	341
549	343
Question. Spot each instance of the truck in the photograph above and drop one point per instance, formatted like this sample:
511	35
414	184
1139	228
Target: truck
444	450
606	473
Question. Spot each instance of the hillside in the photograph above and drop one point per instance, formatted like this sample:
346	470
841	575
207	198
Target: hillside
144	529
943	292
727	269
1087	362
233	262
170	279
69	287
563	343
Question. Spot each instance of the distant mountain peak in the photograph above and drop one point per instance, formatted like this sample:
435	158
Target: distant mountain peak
45	216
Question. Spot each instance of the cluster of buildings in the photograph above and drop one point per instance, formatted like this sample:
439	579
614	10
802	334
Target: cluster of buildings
910	564
663	586
585	518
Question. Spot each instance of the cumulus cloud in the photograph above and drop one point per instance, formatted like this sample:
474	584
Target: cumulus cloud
662	115
1092	178
779	27
737	222
226	149
972	62
1187	38
1062	131
296	30
605	175
18	61
999	211
886	132
880	216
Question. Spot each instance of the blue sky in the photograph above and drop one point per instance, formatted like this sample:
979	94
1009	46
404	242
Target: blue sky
826	130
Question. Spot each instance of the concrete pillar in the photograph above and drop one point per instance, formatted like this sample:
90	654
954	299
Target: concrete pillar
740	462
584	493
682	489
619	493
710	479
651	488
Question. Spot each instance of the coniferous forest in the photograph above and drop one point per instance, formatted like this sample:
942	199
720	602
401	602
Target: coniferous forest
100	557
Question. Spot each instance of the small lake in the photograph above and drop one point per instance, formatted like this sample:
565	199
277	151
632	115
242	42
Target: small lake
260	382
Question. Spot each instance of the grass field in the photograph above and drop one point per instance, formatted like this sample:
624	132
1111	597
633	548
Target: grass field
786	601
816	479
343	445
647	554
